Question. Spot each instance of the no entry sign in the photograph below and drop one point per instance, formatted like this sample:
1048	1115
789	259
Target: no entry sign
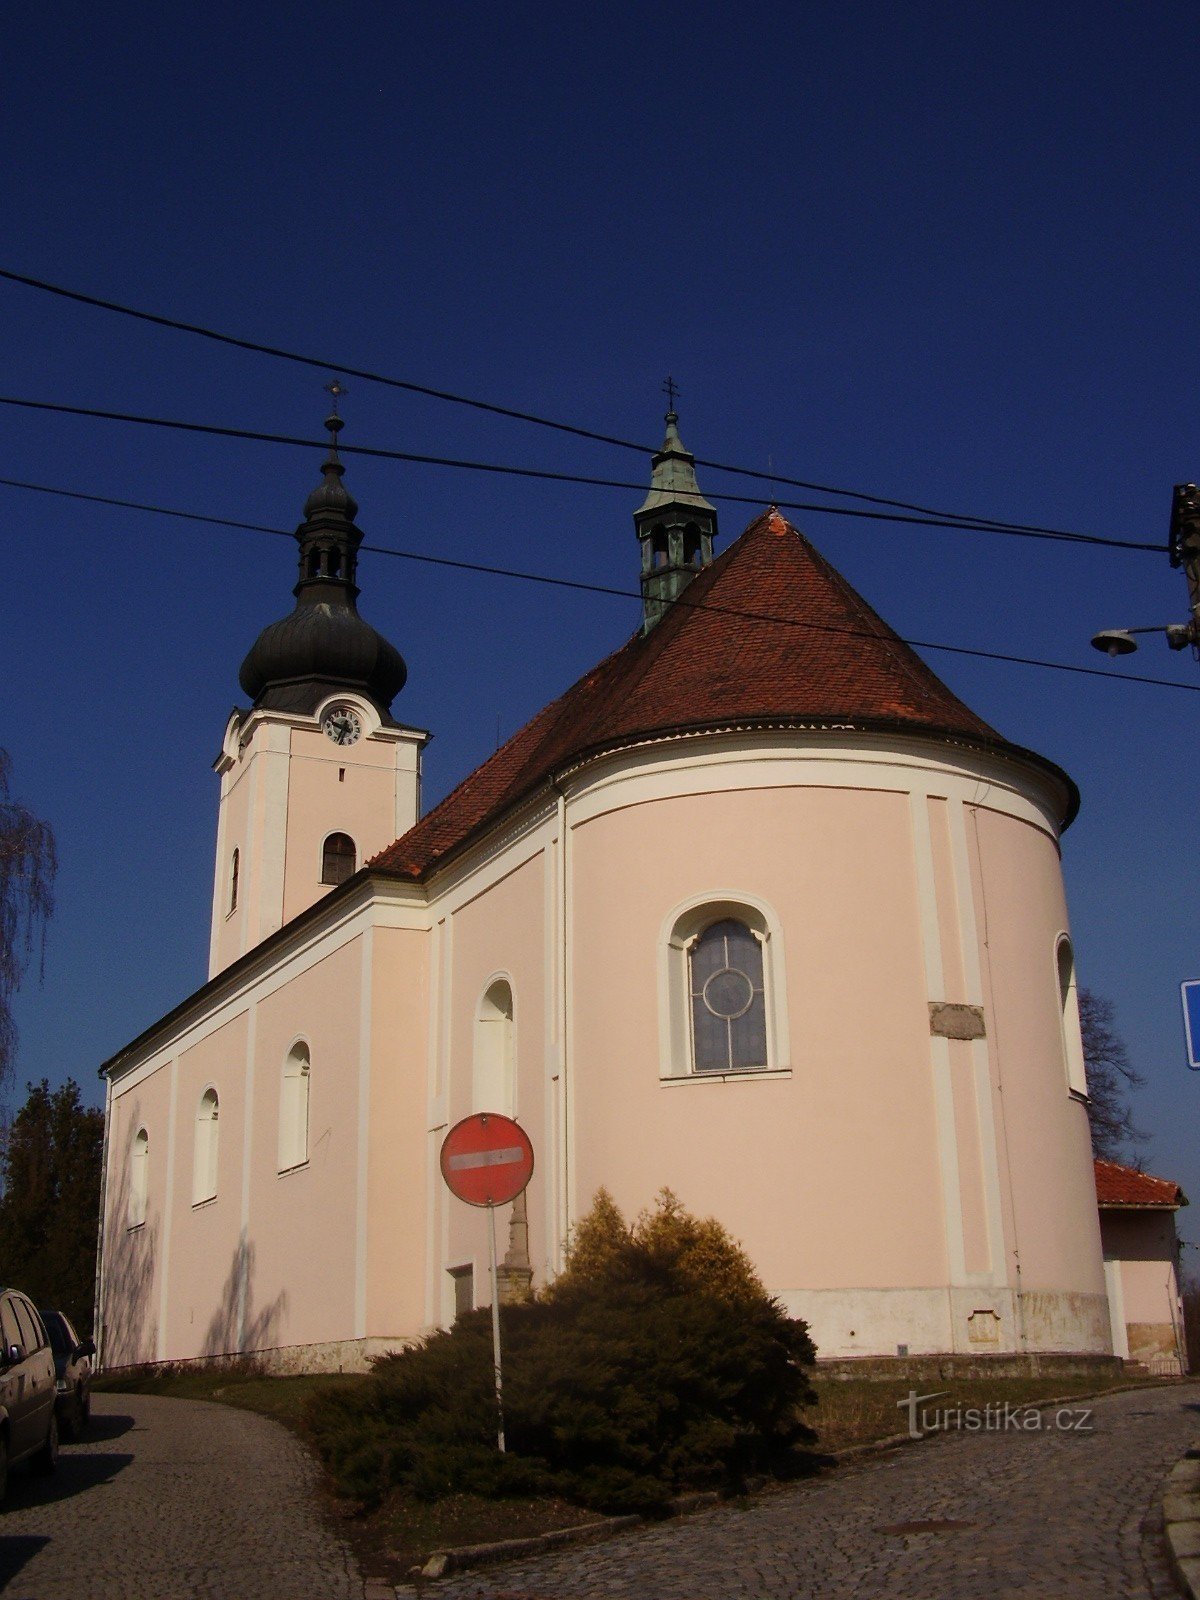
487	1159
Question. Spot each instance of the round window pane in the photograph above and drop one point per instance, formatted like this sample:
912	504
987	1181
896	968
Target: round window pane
728	993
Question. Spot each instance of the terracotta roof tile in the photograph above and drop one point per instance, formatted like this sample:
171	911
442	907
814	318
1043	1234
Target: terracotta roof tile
770	632
1125	1186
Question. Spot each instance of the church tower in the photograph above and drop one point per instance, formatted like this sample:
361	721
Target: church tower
317	775
675	525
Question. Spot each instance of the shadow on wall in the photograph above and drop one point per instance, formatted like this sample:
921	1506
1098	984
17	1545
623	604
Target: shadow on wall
127	1325
237	1328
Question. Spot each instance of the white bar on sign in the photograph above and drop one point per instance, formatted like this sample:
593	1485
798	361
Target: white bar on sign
485	1158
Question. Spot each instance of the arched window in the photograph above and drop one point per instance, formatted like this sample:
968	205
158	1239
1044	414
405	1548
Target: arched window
337	858
722	989
204	1162
234	868
139	1177
494	1068
1072	1035
692	548
293	1108
729	1017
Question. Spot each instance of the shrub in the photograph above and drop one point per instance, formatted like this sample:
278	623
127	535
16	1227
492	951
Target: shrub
656	1362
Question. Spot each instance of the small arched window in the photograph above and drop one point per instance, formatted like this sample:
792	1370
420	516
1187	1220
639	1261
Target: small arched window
494	1068
338	858
729	1017
204	1162
235	864
692	548
293	1108
1072	1034
139	1177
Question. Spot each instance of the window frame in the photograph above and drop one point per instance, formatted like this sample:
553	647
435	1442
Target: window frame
289	1144
336	883
681	929
1069	1021
482	1040
139	1178
206	1148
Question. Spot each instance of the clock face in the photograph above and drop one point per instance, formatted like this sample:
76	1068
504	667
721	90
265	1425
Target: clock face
342	725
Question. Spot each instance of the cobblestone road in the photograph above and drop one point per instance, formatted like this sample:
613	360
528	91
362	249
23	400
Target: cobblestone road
170	1499
1048	1515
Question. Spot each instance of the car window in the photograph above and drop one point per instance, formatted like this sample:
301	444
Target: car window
32	1335
8	1325
62	1340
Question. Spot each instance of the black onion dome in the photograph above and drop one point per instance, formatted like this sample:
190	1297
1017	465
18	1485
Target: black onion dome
324	645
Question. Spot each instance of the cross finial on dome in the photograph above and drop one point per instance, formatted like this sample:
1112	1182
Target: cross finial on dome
333	421
670	388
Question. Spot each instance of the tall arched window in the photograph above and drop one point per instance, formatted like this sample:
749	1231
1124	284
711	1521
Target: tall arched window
293	1108
494	1069
729	1018
139	1177
338	858
1072	1035
204	1162
722	989
234	868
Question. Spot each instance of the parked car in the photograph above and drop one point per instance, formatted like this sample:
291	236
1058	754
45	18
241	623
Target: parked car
72	1373
28	1421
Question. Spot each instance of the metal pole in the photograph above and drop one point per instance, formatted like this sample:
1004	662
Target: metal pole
496	1328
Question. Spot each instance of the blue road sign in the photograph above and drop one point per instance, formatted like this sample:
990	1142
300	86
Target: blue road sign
1191	1021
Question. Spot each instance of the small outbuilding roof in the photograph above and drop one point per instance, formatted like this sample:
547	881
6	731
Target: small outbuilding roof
1119	1187
768	635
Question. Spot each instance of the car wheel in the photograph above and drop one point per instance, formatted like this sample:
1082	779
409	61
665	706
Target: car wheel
79	1415
46	1459
68	1427
85	1408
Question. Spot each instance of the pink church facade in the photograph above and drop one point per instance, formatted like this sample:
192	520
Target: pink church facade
757	911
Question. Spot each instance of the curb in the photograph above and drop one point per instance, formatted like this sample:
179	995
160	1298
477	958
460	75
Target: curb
1181	1521
463	1556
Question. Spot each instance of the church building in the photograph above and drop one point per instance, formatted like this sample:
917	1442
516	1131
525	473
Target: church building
757	910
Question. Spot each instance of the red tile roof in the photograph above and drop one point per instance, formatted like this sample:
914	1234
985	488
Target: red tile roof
1125	1186
769	633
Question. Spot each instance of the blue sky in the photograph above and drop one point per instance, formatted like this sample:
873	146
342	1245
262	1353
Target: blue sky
940	252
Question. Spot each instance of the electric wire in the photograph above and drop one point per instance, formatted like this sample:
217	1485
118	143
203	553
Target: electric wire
379	452
277	352
604	589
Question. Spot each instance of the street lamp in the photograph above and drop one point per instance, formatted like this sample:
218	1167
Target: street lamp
1183	546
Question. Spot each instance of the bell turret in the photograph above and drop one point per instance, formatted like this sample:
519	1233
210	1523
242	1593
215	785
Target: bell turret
675	524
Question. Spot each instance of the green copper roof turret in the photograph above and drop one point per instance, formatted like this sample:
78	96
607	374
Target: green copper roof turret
675	526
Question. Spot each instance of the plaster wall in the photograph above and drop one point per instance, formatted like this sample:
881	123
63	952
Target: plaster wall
394	1185
1142	1245
497	931
133	1256
350	789
199	1303
1051	1220
300	1224
850	1113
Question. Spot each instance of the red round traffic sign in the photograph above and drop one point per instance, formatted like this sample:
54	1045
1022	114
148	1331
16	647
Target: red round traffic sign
487	1159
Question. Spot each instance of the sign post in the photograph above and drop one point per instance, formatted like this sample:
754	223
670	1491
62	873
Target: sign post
1190	994
487	1160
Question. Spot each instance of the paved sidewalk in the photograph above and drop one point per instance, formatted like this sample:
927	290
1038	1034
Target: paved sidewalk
173	1500
1048	1515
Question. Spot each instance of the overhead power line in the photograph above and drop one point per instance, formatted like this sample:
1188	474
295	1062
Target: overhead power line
600	588
1058	535
278	353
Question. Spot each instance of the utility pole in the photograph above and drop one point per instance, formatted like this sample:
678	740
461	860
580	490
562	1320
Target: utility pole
1183	546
